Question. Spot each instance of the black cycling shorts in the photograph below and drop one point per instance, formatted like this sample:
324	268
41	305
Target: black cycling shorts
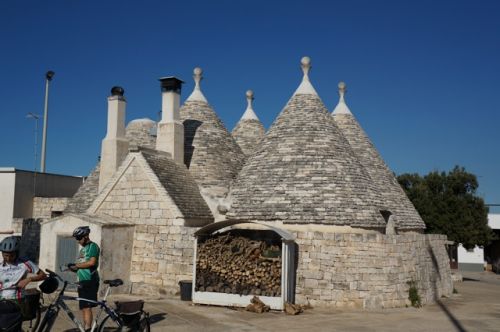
10	315
88	290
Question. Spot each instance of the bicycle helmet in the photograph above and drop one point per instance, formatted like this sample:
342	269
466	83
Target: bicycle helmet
49	285
11	243
81	231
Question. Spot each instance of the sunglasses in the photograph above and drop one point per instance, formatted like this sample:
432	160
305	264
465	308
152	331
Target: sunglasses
78	238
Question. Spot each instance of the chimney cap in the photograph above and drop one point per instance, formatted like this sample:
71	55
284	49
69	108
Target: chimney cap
170	83
117	91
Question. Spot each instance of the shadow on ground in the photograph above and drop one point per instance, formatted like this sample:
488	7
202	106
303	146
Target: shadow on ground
157	318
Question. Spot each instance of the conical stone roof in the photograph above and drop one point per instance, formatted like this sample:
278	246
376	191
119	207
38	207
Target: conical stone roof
86	194
249	130
210	152
305	171
141	132
393	195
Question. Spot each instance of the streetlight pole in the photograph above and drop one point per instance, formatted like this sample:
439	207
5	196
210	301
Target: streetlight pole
48	78
34	116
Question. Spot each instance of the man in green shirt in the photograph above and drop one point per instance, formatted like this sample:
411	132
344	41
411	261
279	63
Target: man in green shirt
86	270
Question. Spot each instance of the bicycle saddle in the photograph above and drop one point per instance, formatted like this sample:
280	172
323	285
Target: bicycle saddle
114	282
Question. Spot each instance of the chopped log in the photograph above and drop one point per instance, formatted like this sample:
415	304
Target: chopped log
257	306
241	265
293	309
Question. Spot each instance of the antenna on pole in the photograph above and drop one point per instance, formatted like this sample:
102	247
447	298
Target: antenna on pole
35	117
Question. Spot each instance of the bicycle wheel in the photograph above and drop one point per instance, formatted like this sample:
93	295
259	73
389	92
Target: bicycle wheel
144	325
108	325
48	320
31	325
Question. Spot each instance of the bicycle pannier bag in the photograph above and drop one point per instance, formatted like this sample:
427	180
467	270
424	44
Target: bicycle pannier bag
130	312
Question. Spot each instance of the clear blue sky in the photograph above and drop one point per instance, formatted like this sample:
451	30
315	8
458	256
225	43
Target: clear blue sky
423	77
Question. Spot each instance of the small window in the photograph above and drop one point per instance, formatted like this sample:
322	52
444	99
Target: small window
54	214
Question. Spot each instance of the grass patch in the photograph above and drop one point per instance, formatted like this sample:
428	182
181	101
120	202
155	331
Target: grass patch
413	295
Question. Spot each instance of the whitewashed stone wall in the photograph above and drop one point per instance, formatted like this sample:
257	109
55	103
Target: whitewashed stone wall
370	270
17	225
162	252
44	206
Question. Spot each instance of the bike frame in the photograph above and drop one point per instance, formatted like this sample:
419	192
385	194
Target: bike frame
60	304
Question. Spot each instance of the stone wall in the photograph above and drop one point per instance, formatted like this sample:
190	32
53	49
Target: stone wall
43	207
370	270
17	225
30	239
162	252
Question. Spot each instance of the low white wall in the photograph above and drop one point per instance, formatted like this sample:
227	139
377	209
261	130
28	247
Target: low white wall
494	220
476	256
7	185
61	226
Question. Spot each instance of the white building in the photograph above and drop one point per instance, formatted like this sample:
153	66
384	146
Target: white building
475	259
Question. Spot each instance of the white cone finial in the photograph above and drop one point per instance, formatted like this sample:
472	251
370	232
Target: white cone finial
197	95
249	95
305	86
305	63
249	112
341	107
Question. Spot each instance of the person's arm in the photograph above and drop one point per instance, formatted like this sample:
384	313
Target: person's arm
92	262
37	277
88	264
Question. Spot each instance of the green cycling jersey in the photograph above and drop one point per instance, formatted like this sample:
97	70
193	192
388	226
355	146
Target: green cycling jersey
89	250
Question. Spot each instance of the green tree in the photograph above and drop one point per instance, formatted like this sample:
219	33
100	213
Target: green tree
448	204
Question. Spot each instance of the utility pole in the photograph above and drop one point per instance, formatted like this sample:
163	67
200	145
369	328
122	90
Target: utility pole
48	77
35	117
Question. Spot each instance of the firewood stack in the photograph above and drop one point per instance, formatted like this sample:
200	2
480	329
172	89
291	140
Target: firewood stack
237	265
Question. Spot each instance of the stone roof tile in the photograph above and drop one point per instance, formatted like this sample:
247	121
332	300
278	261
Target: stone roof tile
141	132
305	172
249	130
179	184
210	152
86	194
393	195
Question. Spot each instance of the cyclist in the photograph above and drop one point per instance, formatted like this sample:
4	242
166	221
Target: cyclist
86	270
15	274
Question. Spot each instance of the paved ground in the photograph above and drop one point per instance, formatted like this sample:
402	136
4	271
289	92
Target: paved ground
476	307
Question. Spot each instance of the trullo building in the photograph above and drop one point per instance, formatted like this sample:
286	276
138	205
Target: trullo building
315	178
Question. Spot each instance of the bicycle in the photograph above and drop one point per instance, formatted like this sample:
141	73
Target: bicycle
29	314
115	319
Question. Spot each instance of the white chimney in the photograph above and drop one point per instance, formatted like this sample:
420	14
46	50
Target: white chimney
114	146
170	134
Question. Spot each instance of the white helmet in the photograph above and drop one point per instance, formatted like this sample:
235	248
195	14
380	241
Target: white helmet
11	243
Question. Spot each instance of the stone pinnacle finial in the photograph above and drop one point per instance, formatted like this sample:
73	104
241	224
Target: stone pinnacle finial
305	86
249	112
341	107
306	65
197	94
342	87
342	90
249	98
197	77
